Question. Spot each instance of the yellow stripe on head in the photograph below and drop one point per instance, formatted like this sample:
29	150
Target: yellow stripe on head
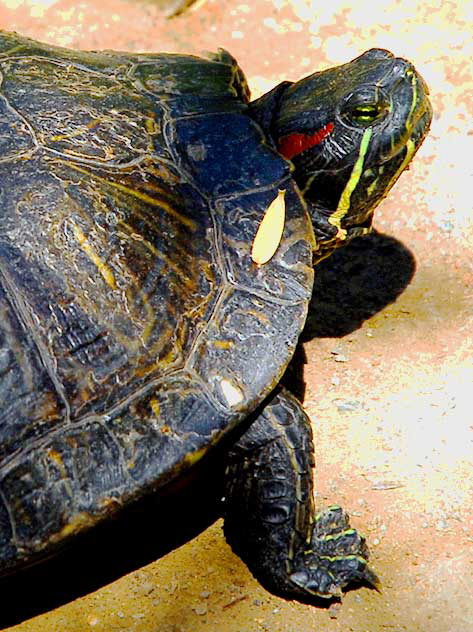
415	96
411	149
344	203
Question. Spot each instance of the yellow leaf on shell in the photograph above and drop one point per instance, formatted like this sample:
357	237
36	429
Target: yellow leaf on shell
269	233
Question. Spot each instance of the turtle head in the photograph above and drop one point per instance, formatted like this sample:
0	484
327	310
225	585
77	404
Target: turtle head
350	131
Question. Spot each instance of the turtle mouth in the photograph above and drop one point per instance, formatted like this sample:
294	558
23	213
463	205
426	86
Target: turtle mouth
418	113
421	117
357	224
422	125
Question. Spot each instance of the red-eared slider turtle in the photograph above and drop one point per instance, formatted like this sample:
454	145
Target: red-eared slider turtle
145	316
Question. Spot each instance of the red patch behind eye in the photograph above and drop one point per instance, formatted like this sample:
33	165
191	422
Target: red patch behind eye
293	144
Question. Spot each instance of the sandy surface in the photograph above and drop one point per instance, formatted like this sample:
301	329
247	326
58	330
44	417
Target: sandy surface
389	346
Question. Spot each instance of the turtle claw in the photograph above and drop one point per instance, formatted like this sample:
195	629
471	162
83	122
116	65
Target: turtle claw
370	578
317	581
338	556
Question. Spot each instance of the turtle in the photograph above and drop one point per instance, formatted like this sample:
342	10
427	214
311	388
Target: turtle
158	237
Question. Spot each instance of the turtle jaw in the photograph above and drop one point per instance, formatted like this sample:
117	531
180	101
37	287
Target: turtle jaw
411	114
378	179
375	182
359	223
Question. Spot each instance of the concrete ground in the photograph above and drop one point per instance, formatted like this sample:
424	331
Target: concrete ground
388	349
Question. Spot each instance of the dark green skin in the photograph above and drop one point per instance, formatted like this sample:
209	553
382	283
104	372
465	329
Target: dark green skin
136	330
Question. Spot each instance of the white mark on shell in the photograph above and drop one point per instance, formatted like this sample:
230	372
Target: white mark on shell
231	392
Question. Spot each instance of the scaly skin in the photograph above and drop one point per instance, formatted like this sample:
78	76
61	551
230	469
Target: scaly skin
269	510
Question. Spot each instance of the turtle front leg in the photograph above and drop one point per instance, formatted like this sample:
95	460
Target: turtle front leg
269	511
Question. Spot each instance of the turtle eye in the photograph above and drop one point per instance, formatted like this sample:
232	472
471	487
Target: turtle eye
367	113
364	108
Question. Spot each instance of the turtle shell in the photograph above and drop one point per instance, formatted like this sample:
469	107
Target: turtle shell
136	330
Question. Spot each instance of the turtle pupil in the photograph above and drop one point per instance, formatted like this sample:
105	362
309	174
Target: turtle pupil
365	113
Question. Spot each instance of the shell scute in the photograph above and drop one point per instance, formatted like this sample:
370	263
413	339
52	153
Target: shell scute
135	329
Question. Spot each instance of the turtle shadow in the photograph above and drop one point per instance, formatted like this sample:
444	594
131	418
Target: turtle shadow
352	285
141	534
355	283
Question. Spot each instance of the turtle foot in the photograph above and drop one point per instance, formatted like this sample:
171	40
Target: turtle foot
270	520
338	556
